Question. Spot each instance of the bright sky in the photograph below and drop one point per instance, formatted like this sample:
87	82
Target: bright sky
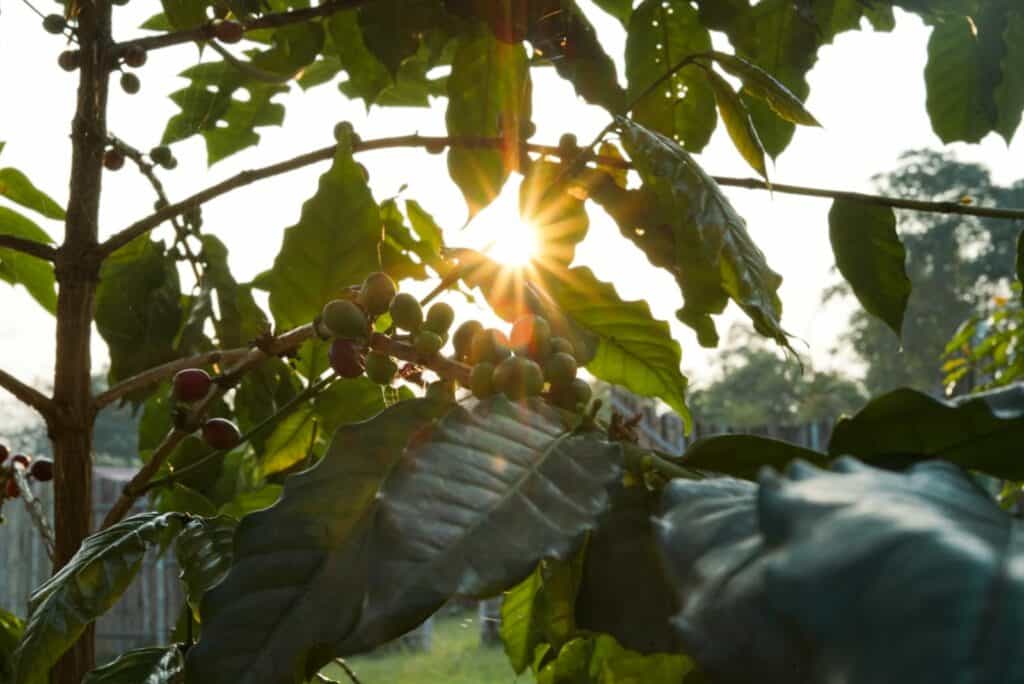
867	90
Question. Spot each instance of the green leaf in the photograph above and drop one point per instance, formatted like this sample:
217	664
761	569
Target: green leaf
428	230
367	77
979	431
760	84
546	206
660	36
502	471
684	223
960	78
488	92
871	258
601	660
204	549
262	391
11	629
393	29
290	442
241	320
181	499
333	245
185	14
737	123
91	582
744	456
138	307
16	268
158	665
1009	94
634	349
540	610
347	401
254	500
15	186
269	613
788	579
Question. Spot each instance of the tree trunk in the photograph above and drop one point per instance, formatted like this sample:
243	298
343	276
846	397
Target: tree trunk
77	272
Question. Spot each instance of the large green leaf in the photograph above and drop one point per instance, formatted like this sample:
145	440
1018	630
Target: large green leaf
138	307
91	582
683	107
333	245
157	665
634	349
367	77
488	93
558	219
980	431
204	549
241	320
807	577
871	258
685	224
1009	95
15	186
393	29
506	471
11	629
16	268
267	621
601	660
744	456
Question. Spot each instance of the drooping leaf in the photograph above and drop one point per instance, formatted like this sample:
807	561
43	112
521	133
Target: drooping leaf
15	186
871	258
979	431
1009	95
601	660
683	107
16	268
267	621
333	245
685	224
737	123
760	84
502	471
744	456
204	549
488	95
807	576
91	582
558	219
138	307
158	665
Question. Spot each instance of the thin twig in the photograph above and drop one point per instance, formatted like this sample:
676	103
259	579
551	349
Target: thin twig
30	247
28	395
35	509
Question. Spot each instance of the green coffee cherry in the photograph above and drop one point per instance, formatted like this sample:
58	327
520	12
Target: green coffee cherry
428	343
581	391
572	397
560	345
531	336
377	292
380	368
439	318
518	377
442	390
345	320
481	380
463	338
406	312
560	369
489	345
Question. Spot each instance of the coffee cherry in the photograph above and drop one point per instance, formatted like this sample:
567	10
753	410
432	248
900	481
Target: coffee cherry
439	318
442	390
22	459
345	320
134	56
4	453
69	60
130	83
12	490
531	336
162	156
191	384
517	377
428	343
228	31
463	338
221	433
345	359
406	312
581	391
42	470
481	380
113	159
560	369
54	23
560	345
489	345
377	292
380	368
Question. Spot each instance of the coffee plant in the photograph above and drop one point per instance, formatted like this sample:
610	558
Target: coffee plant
332	467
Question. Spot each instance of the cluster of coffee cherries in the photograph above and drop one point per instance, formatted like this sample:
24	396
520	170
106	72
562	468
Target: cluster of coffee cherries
40	470
530	362
193	384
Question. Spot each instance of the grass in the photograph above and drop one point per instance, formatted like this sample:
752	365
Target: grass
456	657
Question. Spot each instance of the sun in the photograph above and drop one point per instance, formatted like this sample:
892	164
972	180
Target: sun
515	244
501	232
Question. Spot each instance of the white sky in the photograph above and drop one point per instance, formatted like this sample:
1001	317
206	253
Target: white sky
867	90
